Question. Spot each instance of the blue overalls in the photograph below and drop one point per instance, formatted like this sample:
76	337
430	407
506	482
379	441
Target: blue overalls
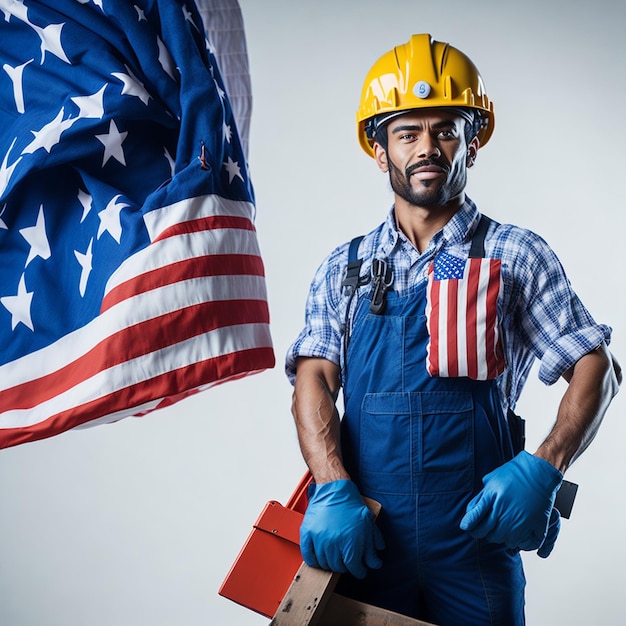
420	445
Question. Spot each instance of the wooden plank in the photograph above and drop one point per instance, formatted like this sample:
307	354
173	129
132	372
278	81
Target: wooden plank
348	612
306	599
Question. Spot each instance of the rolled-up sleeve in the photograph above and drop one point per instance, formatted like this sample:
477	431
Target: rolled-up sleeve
557	326
566	350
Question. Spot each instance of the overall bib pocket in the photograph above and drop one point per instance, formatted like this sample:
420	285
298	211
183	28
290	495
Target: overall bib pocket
417	442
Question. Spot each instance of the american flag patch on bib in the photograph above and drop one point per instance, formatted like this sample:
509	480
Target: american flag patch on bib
462	319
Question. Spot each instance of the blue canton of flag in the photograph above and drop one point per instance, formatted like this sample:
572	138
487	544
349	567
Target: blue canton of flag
448	267
130	273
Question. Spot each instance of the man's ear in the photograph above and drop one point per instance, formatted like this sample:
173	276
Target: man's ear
472	152
380	154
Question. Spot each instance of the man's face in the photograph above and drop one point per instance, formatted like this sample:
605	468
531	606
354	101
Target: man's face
427	157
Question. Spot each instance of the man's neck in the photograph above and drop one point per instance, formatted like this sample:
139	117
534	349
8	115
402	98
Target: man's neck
419	224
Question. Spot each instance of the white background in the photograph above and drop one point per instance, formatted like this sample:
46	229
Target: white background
137	523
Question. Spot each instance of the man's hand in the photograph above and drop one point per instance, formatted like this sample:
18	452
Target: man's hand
338	531
515	505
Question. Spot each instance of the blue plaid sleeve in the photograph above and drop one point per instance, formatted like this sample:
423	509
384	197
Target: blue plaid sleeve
324	315
548	316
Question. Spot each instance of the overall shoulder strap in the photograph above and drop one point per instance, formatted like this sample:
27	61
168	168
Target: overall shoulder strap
477	249
351	281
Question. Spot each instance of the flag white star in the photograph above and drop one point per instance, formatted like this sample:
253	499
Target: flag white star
227	132
232	167
15	74
85	200
189	17
37	239
141	15
98	3
2	222
132	86
90	106
110	218
170	160
50	135
85	263
6	171
166	61
17	8
19	306
220	91
112	143
51	41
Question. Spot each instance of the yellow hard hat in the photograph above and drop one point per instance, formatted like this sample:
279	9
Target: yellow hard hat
422	73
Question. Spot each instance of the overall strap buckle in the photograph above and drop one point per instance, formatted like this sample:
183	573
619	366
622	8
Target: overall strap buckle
382	279
351	279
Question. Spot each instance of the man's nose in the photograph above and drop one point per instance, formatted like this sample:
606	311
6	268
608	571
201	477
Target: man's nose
428	148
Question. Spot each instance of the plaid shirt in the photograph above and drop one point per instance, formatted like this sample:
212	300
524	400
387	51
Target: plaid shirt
540	315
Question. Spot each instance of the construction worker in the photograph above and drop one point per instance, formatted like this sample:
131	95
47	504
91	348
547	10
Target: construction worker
431	323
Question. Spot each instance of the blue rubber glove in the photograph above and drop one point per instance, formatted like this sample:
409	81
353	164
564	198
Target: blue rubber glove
554	526
515	504
338	531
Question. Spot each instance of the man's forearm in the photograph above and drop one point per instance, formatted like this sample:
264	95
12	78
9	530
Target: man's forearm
593	381
317	419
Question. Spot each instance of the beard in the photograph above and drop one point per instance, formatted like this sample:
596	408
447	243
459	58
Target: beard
429	193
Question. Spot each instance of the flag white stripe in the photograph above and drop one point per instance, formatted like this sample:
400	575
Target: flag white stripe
159	220
126	313
496	330
146	407
428	313
139	410
182	248
215	343
462	323
481	314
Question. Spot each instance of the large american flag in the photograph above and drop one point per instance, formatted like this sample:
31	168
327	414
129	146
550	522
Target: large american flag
130	272
461	314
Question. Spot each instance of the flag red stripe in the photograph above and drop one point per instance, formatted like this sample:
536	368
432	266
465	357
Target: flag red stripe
452	328
493	363
434	286
471	319
135	341
215	370
210	265
212	222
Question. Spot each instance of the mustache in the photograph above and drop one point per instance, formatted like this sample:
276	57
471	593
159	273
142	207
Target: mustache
426	163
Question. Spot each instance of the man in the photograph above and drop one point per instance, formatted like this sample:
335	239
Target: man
430	323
